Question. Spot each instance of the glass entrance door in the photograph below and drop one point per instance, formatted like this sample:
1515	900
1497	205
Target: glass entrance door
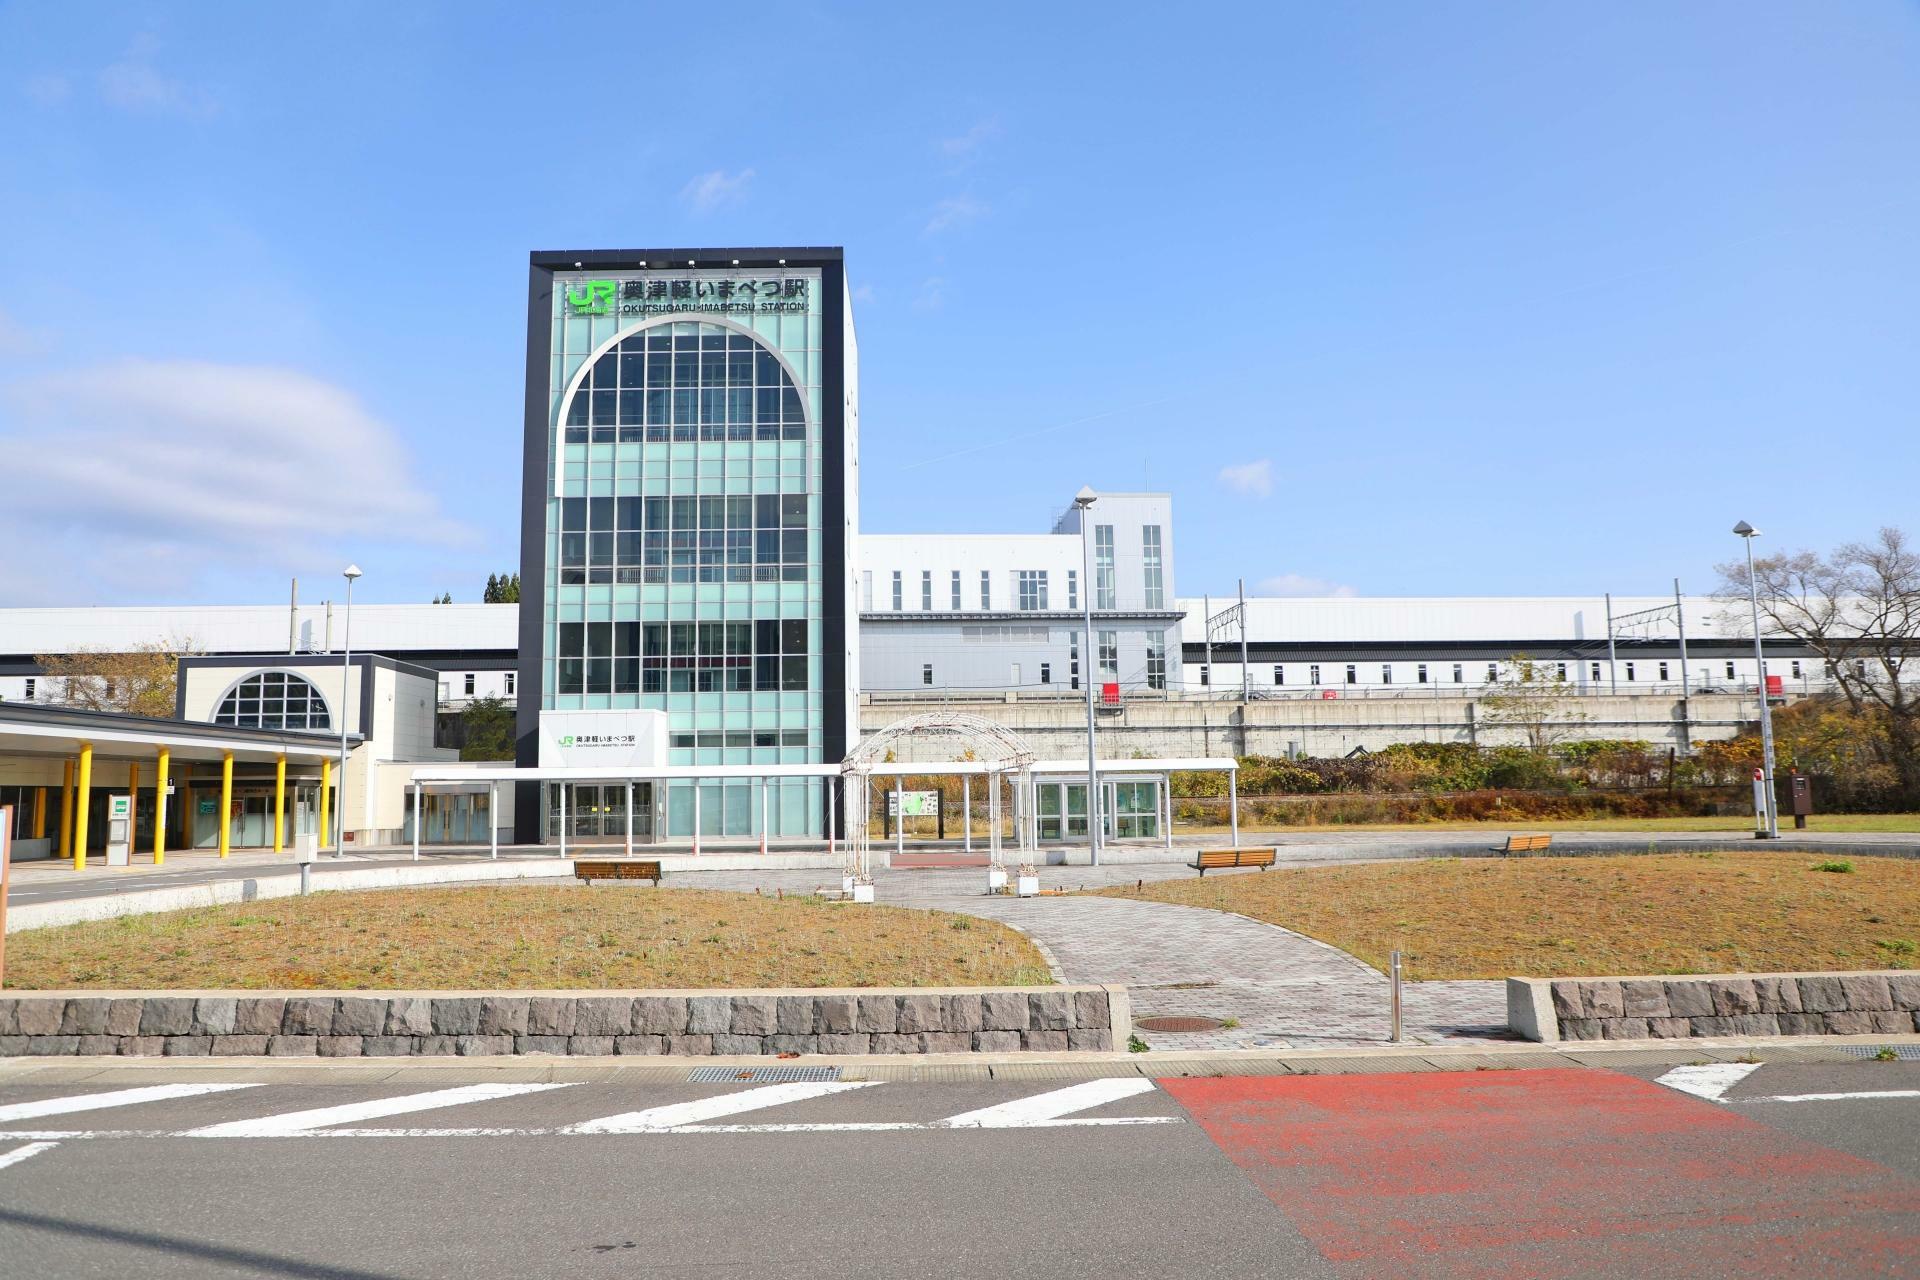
1047	809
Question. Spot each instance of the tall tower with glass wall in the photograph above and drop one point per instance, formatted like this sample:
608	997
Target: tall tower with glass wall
688	522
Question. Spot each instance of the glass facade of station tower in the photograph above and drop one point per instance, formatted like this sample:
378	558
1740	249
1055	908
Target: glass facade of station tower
692	528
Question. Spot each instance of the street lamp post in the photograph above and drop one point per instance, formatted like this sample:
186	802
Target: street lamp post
1770	815
1084	500
351	572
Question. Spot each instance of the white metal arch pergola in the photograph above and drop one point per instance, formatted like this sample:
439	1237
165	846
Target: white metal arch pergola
944	742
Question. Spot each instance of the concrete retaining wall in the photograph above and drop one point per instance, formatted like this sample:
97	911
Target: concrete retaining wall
353	1024
1737	1004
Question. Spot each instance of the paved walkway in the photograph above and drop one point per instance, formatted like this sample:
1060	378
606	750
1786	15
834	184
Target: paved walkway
1284	989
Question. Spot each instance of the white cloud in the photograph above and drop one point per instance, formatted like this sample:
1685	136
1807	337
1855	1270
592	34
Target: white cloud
47	90
1300	584
1255	479
148	471
134	84
967	145
955	211
863	293
933	294
709	191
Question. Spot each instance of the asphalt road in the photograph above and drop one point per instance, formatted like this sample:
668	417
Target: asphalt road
457	1171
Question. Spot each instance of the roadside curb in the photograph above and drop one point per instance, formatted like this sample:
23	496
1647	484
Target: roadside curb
955	1067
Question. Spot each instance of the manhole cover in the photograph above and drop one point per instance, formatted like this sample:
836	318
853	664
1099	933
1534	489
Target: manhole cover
762	1075
1182	1023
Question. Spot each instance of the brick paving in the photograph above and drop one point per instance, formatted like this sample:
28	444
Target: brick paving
1285	990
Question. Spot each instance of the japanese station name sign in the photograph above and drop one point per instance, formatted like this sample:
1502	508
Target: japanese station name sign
666	295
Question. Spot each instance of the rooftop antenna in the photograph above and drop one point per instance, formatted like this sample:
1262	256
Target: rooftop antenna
293	619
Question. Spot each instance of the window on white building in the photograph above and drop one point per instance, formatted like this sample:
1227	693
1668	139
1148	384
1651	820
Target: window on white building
926	673
1279	674
1420	673
1493	673
956	590
1560	671
1046	673
1156	662
1663	671
986	590
1353	674
1109	654
1313	673
1593	672
33	686
899	601
1031	585
273	700
1386	673
1629	671
1459	674
1729	669
1206	676
1073	588
926	591
466	684
1796	673
511	682
1155	575
1073	662
1103	586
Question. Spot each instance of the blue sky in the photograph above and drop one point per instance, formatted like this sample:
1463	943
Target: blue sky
1440	299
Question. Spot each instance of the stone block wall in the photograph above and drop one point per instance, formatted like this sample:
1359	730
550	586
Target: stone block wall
354	1024
1750	1004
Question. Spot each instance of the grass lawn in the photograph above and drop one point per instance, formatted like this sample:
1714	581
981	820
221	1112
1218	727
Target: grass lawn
528	937
1565	917
1894	823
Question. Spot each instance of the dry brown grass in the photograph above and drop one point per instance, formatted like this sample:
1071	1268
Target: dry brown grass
1557	917
528	937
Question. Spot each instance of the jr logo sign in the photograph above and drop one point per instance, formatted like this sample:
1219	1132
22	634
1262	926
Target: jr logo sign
592	298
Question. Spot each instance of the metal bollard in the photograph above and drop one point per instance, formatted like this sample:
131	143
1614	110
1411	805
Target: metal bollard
1396	997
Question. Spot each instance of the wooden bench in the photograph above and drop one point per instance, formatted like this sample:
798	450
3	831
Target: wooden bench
1215	859
1525	844
617	869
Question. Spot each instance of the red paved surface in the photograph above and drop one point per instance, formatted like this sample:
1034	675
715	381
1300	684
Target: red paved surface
1551	1173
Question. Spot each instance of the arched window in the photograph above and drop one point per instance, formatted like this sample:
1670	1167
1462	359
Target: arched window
685	381
274	700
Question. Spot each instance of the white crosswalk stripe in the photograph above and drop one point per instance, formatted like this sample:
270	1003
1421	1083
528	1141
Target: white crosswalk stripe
27	1152
680	1114
1709	1080
116	1098
1050	1108
296	1122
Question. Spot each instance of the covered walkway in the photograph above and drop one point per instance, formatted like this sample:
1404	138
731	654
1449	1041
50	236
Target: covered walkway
71	775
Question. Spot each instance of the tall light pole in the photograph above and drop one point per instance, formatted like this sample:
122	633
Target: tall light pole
1084	500
351	572
1770	818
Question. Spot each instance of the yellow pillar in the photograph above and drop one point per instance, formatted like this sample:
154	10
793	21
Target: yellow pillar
226	800
66	810
82	795
160	808
40	814
279	803
326	784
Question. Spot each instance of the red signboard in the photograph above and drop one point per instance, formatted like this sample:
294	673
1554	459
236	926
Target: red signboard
1776	686
1110	693
1328	694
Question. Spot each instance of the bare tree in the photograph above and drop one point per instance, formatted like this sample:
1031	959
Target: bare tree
140	681
1535	700
1859	610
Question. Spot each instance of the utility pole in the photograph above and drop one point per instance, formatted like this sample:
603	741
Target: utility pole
1686	687
1613	676
1243	659
293	619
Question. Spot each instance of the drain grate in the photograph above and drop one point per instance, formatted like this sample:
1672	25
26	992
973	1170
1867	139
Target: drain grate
761	1075
1179	1023
1904	1052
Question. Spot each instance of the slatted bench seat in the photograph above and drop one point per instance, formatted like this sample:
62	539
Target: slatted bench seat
617	869
1525	844
1216	859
